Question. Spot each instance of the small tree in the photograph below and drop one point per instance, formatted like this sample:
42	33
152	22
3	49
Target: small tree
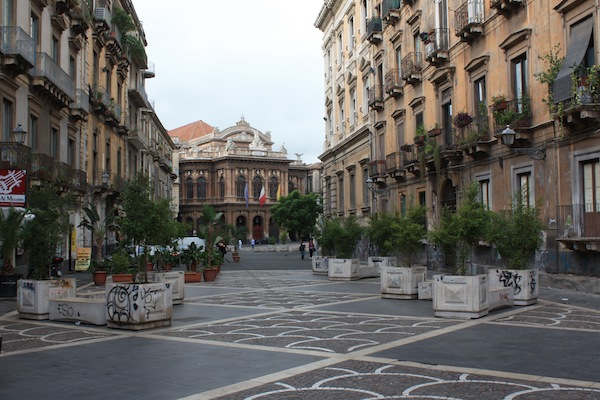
98	227
516	233
297	213
460	230
210	230
339	236
10	234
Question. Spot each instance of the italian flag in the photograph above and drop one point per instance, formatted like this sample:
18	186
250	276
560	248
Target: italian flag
263	197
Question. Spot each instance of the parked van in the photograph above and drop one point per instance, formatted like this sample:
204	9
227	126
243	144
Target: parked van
184	242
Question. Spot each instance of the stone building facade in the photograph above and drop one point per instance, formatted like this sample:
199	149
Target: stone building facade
424	97
75	83
228	169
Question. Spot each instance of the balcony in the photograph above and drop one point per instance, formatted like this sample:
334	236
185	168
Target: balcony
377	169
506	7
468	21
48	77
102	19
80	108
113	43
579	226
374	30
80	17
138	96
100	100
137	139
390	9
15	156
394	163
17	48
150	71
517	114
393	83
412	67
582	111
376	98
42	168
436	47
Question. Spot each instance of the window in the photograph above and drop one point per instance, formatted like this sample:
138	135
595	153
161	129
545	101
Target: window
340	194
71	152
189	188
365	191
342	126
273	186
591	185
400	133
257	185
240	187
353	112
34	31
7	120
422	198
328	198
119	161
201	188
33	131
54	147
484	193
480	97
419	120
72	67
351	33
519	79
222	188
442	16
352	191
525	185
364	14
340	49
381	144
55	49
366	89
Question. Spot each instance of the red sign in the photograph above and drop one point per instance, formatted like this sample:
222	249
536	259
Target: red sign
12	187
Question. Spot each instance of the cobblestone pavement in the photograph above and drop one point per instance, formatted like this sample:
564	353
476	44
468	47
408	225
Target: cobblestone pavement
289	335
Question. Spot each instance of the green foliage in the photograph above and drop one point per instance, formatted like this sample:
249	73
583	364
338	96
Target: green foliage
97	226
119	262
135	46
43	233
399	234
10	234
211	225
122	20
421	131
339	236
192	254
460	230
554	62
297	213
516	233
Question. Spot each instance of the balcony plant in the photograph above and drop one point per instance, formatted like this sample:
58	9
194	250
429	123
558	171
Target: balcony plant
435	131
462	119
499	102
420	134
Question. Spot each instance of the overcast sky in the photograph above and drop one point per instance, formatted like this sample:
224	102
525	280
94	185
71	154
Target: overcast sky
217	60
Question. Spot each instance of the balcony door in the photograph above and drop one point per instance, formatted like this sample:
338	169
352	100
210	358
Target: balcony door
591	197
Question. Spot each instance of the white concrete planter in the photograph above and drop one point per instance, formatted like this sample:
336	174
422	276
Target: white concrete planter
270	247
375	261
33	296
460	296
425	290
320	265
401	282
177	281
281	247
137	306
368	271
343	269
89	310
524	282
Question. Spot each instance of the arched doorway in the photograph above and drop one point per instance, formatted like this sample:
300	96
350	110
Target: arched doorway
449	196
257	227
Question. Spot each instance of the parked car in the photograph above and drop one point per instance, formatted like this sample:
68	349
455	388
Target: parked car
262	241
184	242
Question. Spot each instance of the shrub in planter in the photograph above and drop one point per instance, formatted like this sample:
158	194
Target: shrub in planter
339	236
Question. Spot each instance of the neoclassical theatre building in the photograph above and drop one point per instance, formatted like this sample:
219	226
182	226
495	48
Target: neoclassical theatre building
228	169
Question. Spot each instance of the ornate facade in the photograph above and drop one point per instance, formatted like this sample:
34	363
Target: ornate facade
424	97
228	170
75	83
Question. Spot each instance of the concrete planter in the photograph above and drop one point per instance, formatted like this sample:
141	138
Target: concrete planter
320	265
33	296
460	296
177	281
343	269
270	247
136	306
379	262
524	282
401	282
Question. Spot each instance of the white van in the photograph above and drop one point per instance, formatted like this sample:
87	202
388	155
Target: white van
184	242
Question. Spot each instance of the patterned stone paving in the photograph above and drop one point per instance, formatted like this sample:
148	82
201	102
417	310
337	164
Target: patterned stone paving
330	333
368	380
24	336
259	283
280	299
556	315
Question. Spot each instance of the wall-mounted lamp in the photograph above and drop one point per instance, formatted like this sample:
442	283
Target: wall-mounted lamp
508	139
105	178
377	187
105	69
19	134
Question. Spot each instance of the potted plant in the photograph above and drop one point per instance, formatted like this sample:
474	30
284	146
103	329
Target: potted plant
98	271
192	257
10	234
462	119
420	134
402	234
209	229
119	264
340	237
516	235
461	294
42	231
236	254
435	131
499	102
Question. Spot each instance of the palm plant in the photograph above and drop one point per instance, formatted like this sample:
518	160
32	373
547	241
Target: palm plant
10	234
98	227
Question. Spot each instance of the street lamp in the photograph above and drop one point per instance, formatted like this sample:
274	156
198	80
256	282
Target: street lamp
378	188
19	134
508	139
105	177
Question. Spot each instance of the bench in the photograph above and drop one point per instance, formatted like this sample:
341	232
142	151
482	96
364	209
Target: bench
89	310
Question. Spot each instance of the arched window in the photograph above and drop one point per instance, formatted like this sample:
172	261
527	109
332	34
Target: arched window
222	188
273	186
240	185
257	185
189	188
201	189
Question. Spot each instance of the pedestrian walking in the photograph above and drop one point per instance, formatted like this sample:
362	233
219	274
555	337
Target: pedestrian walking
311	248
253	242
240	244
302	248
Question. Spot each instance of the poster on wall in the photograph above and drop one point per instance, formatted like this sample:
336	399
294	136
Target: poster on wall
12	187
84	255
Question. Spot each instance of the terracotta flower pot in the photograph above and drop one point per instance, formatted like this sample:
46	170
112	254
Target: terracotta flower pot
210	274
192	277
122	278
100	278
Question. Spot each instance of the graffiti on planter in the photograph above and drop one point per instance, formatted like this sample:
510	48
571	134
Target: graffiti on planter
66	310
511	279
532	282
122	302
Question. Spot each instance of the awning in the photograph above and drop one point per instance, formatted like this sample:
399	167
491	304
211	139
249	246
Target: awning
578	44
